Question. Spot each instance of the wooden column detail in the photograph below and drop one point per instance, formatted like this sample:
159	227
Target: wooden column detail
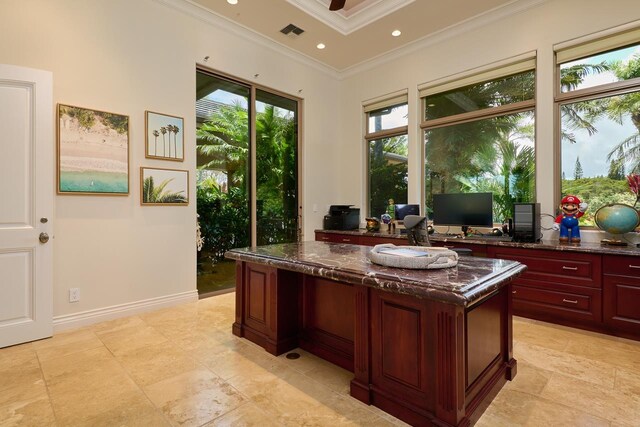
237	328
362	341
450	370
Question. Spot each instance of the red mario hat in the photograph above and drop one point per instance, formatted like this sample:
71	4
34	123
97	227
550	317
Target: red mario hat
570	199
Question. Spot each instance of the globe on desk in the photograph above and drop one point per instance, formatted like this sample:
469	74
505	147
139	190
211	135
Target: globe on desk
617	218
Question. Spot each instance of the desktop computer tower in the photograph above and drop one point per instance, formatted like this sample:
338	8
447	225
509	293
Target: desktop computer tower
526	222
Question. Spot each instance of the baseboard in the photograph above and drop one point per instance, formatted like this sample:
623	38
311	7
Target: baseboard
89	317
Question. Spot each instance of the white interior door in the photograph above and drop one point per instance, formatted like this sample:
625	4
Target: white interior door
26	204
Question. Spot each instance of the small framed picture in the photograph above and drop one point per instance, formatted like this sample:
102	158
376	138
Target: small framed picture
93	152
164	187
164	136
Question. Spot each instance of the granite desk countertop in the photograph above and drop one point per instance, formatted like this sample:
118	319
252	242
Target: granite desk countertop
468	282
584	247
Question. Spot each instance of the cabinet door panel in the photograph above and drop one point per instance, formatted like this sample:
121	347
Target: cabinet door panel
622	303
256	297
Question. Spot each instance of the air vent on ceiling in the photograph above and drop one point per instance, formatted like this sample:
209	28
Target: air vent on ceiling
292	29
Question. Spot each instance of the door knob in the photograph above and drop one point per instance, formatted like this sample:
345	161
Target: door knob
44	237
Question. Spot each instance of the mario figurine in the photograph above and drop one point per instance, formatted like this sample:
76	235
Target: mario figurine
567	222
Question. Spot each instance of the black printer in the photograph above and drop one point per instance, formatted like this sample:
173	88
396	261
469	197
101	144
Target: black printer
342	217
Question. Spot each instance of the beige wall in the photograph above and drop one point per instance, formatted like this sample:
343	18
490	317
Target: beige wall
536	29
126	57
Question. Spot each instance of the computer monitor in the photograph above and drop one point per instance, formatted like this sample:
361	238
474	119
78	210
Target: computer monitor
403	210
463	209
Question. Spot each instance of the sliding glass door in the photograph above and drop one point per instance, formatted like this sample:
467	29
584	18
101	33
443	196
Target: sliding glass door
247	177
276	169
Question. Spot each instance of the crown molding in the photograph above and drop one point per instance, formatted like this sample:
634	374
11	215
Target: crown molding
513	8
208	16
347	23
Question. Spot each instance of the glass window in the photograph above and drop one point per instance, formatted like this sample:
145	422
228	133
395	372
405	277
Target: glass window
495	155
225	191
600	129
494	93
387	157
489	151
388	118
276	168
596	70
387	173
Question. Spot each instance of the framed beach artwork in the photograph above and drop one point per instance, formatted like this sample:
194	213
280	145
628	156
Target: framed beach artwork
93	152
164	136
164	186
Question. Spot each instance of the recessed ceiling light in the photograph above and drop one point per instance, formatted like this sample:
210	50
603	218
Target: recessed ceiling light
232	1
396	33
320	46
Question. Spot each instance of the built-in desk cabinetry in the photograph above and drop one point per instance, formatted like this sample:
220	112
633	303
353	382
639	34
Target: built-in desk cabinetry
556	285
588	287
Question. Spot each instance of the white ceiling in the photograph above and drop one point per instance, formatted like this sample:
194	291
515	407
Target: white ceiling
360	32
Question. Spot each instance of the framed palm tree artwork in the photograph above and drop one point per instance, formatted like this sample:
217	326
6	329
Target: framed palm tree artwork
164	136
164	187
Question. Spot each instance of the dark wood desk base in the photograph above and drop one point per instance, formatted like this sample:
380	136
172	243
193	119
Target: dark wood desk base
425	362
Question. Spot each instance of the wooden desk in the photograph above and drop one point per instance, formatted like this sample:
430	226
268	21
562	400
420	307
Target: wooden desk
427	346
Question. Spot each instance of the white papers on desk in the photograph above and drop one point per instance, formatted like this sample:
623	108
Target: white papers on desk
403	252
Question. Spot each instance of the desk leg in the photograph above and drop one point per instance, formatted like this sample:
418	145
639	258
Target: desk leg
360	388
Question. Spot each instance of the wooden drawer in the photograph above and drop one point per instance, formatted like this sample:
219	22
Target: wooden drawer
555	266
569	303
621	265
338	238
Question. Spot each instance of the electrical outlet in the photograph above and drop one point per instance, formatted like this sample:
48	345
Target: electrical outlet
74	294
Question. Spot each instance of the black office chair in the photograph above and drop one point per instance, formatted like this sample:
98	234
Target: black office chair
417	230
419	236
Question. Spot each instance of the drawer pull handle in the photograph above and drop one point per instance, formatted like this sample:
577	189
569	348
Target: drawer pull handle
346	240
324	238
514	292
634	266
570	301
564	267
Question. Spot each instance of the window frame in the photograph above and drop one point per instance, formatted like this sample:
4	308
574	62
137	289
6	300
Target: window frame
399	98
588	49
524	63
252	193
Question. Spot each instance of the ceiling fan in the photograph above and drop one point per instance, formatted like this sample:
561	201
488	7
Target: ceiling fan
337	4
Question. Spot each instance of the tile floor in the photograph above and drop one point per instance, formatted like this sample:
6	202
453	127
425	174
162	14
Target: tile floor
182	366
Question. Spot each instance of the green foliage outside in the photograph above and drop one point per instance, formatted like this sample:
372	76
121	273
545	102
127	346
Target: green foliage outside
387	173
224	218
600	191
223	145
487	155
